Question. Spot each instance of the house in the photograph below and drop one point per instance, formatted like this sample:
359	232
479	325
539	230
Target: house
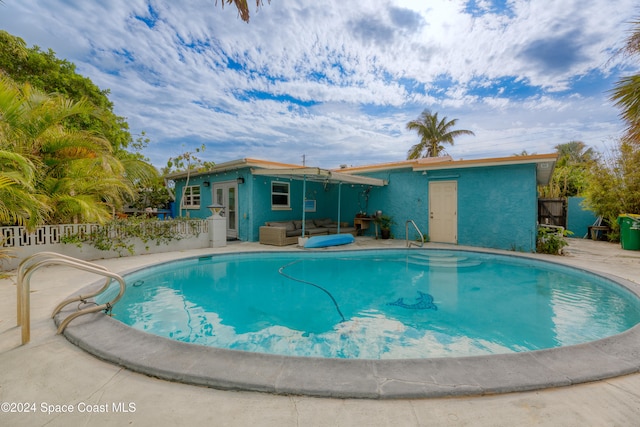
488	203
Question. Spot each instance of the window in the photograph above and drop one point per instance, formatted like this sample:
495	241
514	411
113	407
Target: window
191	199
280	195
309	205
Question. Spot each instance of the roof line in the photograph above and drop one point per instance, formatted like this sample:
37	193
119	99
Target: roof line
511	160
234	164
379	166
425	163
446	162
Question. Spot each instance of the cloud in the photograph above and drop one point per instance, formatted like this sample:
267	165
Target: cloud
338	81
386	28
373	30
405	19
556	54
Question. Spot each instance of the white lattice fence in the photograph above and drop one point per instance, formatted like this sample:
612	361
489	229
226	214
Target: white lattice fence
16	237
20	243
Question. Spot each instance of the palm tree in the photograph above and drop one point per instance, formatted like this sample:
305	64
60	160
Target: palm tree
626	92
18	203
76	174
570	173
613	185
85	191
574	152
433	133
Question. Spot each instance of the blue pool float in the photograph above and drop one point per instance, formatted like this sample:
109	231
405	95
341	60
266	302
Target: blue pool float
329	240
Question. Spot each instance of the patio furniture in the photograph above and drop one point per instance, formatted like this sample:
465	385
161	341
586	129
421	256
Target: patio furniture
282	233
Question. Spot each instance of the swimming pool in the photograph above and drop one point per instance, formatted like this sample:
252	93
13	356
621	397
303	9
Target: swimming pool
113	341
375	304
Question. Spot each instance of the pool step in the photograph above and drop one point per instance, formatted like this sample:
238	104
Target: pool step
430	255
438	258
443	261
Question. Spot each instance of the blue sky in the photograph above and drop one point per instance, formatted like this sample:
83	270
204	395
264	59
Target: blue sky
337	81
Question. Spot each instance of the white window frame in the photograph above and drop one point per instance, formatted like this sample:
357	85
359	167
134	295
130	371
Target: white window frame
190	200
275	206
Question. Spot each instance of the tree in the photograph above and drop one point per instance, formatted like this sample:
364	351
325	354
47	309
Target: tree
18	203
187	161
570	176
574	152
76	176
433	133
44	71
614	183
142	176
242	6
626	92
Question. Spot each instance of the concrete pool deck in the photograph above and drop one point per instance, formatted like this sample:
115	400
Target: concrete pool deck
51	371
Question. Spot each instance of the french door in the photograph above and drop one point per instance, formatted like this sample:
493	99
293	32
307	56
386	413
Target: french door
226	194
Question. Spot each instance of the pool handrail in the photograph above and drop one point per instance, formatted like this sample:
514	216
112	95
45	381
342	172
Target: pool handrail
29	265
409	243
25	264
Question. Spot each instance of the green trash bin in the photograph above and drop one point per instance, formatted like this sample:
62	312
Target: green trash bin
630	231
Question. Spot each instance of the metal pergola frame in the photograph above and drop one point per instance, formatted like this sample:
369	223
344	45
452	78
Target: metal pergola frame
315	174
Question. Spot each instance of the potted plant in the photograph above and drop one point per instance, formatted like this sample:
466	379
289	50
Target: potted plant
384	222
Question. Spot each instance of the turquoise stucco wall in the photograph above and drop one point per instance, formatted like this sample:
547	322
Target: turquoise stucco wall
579	218
244	207
254	200
404	198
326	197
205	198
497	205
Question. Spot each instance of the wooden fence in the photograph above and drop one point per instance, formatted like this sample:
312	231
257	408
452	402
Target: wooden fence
552	212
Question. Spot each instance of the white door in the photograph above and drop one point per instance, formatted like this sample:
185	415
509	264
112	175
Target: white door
443	211
226	194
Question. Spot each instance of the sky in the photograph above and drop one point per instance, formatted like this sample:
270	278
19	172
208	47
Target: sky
335	82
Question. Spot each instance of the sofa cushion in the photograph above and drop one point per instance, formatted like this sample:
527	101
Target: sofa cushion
288	225
324	222
307	224
292	233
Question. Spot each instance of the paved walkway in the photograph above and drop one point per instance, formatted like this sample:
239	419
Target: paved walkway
52	375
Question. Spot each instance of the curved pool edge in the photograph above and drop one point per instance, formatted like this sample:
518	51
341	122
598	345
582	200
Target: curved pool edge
112	341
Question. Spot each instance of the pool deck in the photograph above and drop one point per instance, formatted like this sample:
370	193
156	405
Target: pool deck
51	371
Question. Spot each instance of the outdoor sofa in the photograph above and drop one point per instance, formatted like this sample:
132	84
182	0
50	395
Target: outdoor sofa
282	233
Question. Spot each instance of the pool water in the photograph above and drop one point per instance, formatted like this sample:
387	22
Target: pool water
378	304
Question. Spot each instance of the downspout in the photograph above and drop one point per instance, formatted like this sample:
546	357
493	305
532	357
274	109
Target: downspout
304	201
339	199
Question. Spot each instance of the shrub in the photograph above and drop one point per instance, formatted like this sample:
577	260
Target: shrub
614	185
5	254
118	234
551	240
